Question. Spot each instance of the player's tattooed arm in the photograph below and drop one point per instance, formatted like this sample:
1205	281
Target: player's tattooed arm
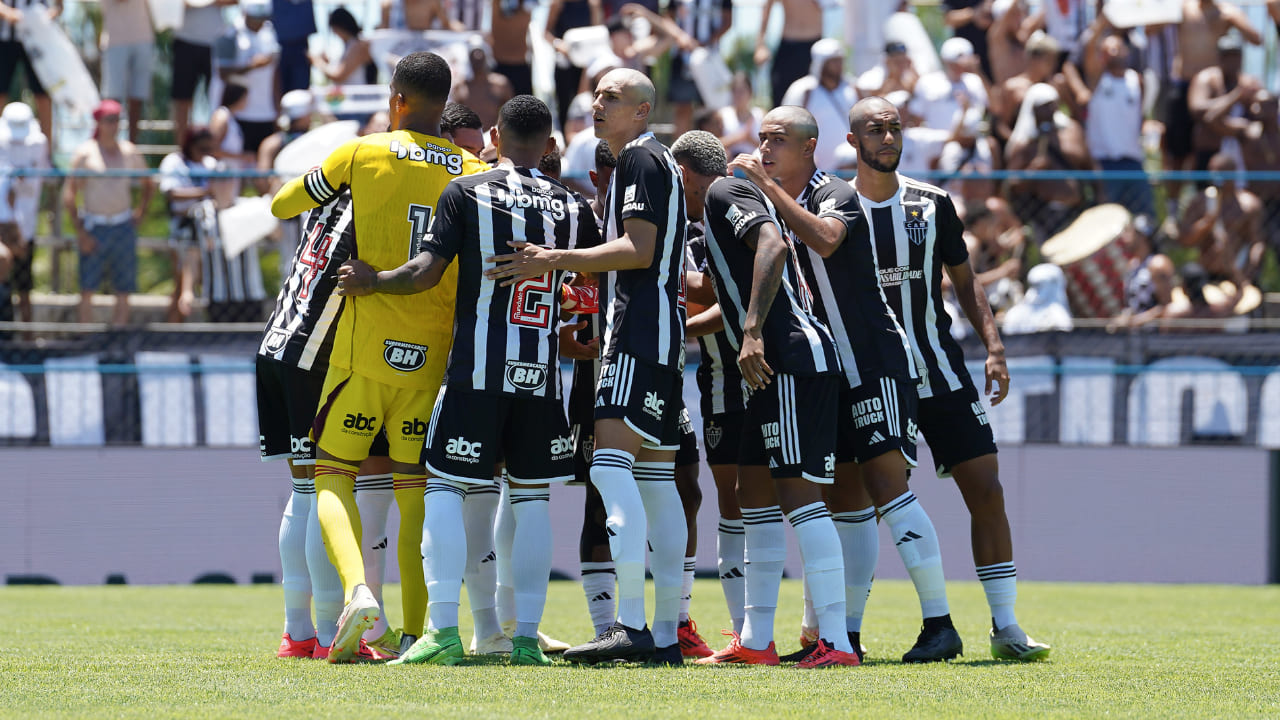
766	278
423	272
823	234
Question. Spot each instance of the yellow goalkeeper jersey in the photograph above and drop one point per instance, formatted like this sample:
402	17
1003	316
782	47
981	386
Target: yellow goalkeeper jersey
395	180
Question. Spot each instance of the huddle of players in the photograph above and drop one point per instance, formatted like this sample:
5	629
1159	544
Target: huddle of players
827	417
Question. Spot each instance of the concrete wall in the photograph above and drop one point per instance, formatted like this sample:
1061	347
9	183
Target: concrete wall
1079	514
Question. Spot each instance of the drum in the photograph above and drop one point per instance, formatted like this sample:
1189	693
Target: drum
1093	259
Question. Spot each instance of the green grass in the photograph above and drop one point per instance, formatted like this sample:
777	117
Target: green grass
201	651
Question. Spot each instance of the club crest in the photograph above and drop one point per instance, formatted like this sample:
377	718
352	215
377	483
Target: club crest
713	434
916	226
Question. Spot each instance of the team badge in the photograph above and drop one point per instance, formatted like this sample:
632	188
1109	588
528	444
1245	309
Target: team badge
714	433
916	226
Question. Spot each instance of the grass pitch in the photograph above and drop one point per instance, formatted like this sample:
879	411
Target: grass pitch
1118	650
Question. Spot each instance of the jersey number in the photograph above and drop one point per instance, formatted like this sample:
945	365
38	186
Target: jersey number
315	256
531	302
419	222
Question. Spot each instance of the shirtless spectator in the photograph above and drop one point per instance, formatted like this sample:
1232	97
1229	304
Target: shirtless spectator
1204	22
484	91
1046	139
1041	67
1006	42
970	19
1273	9
1262	154
1148	281
801	29
509	38
417	15
1224	222
1114	127
996	247
1219	97
894	73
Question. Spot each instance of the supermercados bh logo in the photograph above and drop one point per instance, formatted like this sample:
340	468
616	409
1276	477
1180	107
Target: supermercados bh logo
404	356
526	375
894	276
275	341
915	224
737	218
450	161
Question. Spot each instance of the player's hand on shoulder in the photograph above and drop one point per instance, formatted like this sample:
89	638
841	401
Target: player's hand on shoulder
750	166
528	261
356	278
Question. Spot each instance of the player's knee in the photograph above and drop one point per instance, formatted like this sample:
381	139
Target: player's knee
690	491
983	494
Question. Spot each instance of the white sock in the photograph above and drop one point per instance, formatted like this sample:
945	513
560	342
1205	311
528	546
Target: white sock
860	540
823	570
294	578
326	585
668	538
504	532
766	552
686	587
531	556
599	584
444	550
730	545
611	475
481	575
374	495
1000	583
809	616
917	542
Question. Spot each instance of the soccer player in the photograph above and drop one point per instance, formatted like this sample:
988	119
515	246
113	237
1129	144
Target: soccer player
723	404
790	365
389	352
291	364
918	236
878	404
638	397
502	393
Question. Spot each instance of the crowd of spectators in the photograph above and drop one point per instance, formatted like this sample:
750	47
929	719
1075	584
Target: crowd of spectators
1029	87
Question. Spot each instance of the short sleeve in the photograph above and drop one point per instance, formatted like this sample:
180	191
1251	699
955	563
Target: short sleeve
645	186
587	234
318	186
445	233
740	204
950	234
173	173
836	199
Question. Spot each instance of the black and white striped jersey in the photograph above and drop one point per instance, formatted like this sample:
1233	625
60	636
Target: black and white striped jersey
915	233
847	289
506	339
796	342
300	330
644	309
719	380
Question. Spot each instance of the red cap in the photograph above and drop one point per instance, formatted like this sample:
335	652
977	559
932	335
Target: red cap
106	107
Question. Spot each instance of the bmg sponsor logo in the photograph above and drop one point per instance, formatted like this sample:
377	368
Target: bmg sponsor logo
525	375
404	356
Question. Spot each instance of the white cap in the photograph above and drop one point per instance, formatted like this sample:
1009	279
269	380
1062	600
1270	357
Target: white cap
955	49
297	104
19	117
256	8
608	61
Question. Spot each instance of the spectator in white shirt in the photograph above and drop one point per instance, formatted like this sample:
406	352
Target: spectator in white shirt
827	94
936	100
252	53
741	121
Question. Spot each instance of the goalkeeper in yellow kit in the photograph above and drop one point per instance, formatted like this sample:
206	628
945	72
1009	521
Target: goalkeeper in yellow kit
389	351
